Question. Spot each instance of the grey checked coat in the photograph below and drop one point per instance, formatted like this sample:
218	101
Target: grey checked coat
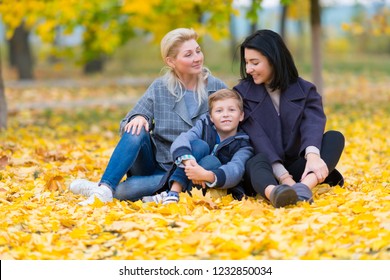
167	118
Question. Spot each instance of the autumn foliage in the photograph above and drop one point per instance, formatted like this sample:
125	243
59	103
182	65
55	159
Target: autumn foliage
43	150
109	24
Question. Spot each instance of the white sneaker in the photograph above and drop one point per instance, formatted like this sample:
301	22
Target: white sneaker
82	186
103	193
158	198
170	199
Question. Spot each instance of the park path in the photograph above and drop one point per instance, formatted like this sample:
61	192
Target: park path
75	84
19	104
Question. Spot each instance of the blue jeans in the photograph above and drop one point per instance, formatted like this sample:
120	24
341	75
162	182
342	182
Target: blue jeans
201	152
134	156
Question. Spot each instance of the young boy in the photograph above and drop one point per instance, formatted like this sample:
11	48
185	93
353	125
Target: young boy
211	154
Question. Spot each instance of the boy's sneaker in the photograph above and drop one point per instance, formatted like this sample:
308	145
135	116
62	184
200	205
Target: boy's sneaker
158	198
172	197
103	193
82	186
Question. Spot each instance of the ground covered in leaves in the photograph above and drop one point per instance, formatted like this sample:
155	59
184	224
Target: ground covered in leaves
43	150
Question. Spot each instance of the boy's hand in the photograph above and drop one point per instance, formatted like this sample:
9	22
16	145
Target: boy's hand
198	174
189	162
195	172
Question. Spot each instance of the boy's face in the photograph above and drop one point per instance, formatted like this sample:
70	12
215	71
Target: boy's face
226	115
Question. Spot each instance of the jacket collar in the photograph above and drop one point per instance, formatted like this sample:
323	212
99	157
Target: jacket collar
180	108
257	93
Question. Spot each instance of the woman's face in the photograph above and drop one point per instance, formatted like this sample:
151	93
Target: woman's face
258	67
189	59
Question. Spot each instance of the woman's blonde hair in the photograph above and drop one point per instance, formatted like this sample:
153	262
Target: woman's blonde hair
170	46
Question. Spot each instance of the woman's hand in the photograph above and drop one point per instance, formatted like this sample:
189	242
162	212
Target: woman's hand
315	164
136	124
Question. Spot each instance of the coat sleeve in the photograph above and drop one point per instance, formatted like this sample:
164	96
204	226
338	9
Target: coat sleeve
231	173
144	106
313	122
215	84
182	145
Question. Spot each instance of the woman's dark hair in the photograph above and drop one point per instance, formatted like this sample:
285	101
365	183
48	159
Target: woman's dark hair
271	45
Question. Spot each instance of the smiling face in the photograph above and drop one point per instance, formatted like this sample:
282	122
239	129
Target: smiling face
189	59
226	115
257	65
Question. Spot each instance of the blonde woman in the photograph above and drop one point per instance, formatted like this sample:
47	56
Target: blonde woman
171	105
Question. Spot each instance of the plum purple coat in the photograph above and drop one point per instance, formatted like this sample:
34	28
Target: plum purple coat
283	138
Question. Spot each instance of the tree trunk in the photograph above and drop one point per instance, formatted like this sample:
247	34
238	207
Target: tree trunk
20	53
283	20
300	52
94	58
94	66
3	102
315	23
234	49
253	24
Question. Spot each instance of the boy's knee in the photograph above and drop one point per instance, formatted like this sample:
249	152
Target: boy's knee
200	148
210	162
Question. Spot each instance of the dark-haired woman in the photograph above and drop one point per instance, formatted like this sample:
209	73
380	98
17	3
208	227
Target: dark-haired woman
285	121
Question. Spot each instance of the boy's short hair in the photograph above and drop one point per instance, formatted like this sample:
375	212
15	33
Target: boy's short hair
223	94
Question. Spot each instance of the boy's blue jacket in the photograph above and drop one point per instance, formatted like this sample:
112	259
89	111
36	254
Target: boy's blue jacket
232	152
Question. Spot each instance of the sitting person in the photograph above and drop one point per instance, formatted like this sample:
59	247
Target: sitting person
211	154
285	120
171	105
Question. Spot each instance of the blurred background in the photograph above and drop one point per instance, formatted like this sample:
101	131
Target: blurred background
70	39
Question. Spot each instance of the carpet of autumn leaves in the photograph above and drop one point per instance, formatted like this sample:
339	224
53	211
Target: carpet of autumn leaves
44	150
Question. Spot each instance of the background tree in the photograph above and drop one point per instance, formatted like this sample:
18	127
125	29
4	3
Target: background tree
370	32
109	24
283	20
252	14
20	55
298	11
3	102
316	44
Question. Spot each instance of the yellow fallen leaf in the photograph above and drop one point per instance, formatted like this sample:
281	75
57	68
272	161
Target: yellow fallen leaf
39	221
79	233
358	208
54	183
124	226
66	222
3	162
